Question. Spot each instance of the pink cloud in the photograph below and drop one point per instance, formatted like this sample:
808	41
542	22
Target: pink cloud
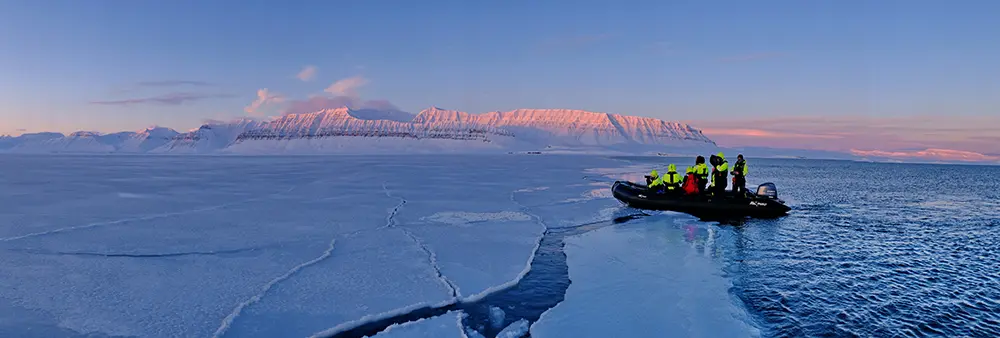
307	73
929	154
764	133
317	103
264	98
347	87
977	134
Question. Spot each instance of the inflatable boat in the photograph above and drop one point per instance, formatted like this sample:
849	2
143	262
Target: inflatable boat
762	204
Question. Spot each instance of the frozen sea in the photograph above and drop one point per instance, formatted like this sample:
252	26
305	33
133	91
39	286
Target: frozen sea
470	246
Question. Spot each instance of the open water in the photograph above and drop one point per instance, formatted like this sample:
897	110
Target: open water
870	250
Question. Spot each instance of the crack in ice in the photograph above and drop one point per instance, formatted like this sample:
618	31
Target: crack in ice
390	222
228	321
371	325
142	218
432	260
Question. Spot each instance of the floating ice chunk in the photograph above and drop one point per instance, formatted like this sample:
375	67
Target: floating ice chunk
470	333
496	316
514	330
464	218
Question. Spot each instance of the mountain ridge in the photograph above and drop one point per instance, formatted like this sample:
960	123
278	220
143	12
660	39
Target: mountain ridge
359	130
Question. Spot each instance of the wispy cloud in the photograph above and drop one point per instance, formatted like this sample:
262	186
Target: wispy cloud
571	43
264	97
307	74
929	154
133	88
347	87
173	83
751	57
170	99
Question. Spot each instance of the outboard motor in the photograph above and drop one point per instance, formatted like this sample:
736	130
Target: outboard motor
767	190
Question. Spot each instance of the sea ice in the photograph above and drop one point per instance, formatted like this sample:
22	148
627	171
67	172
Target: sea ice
259	246
200	246
644	279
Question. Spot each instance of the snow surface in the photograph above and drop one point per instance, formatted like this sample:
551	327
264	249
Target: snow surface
232	246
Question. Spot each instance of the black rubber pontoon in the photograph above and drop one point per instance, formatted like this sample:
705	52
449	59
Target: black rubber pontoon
763	204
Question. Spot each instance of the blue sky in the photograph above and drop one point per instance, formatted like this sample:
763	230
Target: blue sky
727	67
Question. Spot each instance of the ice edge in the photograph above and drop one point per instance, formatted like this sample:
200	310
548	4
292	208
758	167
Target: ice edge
380	316
531	258
228	321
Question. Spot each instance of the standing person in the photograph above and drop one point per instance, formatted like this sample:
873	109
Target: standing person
701	171
720	174
740	175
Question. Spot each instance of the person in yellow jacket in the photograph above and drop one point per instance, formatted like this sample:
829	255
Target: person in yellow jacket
720	174
739	175
701	172
651	178
671	181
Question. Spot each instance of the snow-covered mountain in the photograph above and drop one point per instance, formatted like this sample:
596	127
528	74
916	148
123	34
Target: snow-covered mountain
208	138
345	130
565	127
89	142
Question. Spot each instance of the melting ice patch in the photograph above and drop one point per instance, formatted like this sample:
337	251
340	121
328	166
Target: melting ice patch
533	189
464	218
590	195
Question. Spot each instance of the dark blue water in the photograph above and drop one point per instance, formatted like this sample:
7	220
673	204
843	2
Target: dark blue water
543	287
871	250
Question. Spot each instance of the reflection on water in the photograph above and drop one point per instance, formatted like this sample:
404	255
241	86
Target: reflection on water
872	250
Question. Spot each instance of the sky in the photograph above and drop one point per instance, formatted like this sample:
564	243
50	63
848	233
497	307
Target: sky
898	77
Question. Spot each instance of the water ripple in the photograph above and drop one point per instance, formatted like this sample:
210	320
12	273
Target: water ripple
873	250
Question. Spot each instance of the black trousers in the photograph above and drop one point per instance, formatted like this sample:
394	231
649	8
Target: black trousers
720	186
739	183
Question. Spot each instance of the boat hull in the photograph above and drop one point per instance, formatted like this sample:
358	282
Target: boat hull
639	197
